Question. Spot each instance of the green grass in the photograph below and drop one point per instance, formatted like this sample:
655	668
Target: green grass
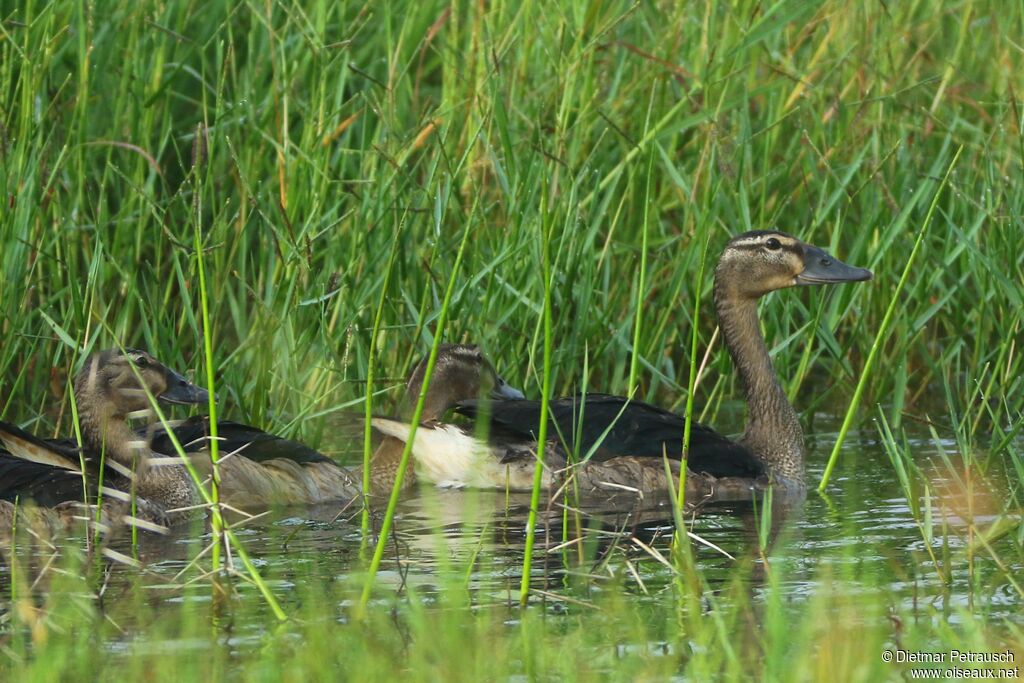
593	631
297	142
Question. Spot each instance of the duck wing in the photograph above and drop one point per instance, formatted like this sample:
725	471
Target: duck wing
21	445
48	485
55	456
255	444
614	426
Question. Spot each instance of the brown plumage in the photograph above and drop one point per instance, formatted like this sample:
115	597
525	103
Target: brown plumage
257	469
247	484
65	482
621	441
461	371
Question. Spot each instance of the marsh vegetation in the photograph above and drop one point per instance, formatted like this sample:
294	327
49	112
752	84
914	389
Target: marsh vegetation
297	200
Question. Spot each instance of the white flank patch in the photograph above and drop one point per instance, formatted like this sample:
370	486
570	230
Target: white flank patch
446	455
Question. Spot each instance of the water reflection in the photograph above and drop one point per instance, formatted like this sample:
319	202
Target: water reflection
862	534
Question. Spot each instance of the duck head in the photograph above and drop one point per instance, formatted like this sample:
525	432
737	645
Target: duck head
763	261
120	380
461	373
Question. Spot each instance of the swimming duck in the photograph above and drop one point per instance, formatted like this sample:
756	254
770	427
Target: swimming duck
624	438
461	372
257	469
118	465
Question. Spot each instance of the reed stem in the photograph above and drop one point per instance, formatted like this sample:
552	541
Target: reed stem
876	345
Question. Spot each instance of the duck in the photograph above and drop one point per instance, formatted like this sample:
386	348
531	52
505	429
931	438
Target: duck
256	469
115	469
606	443
461	373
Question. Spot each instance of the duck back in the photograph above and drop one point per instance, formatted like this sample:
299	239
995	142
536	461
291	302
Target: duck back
614	426
255	444
47	485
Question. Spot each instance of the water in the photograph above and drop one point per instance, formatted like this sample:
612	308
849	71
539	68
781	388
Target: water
862	534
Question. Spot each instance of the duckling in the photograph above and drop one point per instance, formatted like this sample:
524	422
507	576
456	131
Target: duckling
461	372
257	469
111	387
622	441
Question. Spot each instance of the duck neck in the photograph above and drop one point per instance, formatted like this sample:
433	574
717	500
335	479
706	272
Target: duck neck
435	404
773	431
388	456
106	431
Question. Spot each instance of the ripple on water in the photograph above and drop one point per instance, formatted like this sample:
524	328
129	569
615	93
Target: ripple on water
861	536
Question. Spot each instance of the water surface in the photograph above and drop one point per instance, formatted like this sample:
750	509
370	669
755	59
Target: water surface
862	535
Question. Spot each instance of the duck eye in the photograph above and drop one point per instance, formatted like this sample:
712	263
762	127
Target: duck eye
141	362
773	244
